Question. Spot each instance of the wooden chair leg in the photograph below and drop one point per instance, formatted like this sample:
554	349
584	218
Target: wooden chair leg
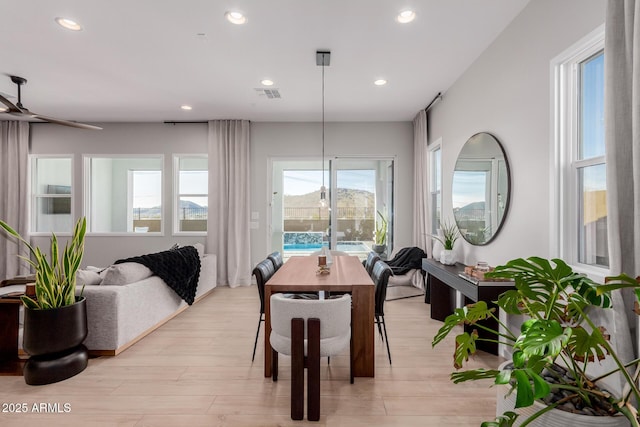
297	369
313	369
274	365
351	376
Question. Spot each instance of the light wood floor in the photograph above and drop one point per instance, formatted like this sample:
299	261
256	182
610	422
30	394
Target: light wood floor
196	371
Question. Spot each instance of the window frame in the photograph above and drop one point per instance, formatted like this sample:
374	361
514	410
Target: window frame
431	156
33	196
176	195
565	134
87	193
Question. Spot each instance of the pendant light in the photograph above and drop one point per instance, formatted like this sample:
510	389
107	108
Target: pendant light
323	58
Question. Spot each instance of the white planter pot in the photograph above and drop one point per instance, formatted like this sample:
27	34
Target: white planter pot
447	257
553	418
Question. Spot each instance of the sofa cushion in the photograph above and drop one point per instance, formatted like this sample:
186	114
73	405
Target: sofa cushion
87	277
125	273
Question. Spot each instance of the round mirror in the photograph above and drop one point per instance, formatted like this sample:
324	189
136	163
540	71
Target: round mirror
480	191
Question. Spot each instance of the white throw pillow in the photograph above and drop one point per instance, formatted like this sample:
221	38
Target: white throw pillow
125	273
87	277
200	248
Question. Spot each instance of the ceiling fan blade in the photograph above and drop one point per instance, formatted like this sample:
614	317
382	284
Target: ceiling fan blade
11	107
66	123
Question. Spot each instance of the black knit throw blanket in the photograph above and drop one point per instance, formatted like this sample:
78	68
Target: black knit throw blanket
179	268
407	259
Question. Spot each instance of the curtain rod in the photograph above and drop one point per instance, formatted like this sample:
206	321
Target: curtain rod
436	99
172	122
181	123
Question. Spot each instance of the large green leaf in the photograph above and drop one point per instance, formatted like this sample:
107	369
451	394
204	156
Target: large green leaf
505	420
534	270
465	347
469	314
477	311
587	346
540	387
543	338
589	290
474	374
450	322
621	281
510	301
524	389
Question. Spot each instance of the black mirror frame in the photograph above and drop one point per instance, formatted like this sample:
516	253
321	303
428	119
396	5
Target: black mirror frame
509	185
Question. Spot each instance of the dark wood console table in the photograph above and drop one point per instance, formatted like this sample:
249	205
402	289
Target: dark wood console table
444	280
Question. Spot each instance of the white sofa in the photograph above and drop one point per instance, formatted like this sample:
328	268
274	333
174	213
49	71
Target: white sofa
121	315
118	316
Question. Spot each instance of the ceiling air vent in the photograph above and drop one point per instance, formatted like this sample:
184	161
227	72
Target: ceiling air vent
269	93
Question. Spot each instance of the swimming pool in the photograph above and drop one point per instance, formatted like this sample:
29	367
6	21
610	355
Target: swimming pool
341	246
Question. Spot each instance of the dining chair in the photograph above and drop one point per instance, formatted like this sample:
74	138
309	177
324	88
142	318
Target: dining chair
408	278
380	276
372	258
307	330
263	272
276	259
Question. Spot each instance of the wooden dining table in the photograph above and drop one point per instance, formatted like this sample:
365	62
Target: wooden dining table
347	274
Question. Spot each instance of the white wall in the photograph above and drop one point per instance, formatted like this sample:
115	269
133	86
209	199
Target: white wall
267	140
303	140
506	92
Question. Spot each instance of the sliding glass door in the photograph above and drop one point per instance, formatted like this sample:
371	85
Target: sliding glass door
360	195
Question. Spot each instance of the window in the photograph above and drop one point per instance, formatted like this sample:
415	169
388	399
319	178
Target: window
192	195
124	194
51	194
580	154
435	186
357	188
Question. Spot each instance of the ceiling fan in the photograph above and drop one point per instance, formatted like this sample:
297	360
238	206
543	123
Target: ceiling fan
20	111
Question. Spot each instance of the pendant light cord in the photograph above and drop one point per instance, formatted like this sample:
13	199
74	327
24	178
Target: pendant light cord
323	62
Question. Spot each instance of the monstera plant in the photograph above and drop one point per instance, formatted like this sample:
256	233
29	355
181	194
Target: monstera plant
556	345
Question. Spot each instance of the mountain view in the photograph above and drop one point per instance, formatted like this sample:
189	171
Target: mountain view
189	210
346	198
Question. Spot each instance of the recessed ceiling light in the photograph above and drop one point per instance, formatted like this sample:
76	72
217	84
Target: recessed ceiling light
267	82
69	24
235	18
380	82
406	16
186	107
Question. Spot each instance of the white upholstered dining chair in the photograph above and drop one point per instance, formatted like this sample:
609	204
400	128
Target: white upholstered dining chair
307	330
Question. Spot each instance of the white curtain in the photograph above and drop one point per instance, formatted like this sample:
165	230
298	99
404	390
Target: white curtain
622	139
421	212
228	223
14	194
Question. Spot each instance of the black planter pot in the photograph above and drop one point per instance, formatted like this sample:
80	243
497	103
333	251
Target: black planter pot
53	338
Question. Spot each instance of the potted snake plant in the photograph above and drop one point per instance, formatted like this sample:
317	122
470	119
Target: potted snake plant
380	235
55	322
556	346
